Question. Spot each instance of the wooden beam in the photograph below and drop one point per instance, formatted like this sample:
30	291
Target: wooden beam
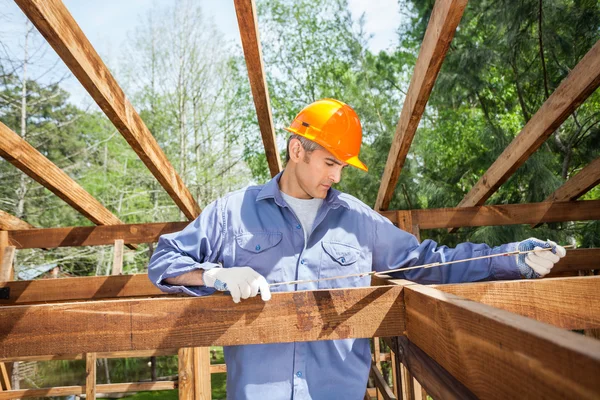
108	354
117	267
92	235
9	222
489	349
248	25
568	303
581	82
90	376
6	264
56	24
382	386
25	157
444	19
78	288
186	373
76	390
579	184
506	214
578	260
202	371
4	376
159	323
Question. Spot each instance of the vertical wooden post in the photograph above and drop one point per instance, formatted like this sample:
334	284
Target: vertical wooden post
117	268
4	377
202	373
6	264
186	373
377	356
394	369
408	391
90	380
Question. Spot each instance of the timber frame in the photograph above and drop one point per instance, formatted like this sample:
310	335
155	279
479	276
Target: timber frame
458	341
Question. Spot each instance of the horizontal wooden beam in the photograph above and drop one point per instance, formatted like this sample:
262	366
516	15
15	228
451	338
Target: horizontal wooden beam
506	214
568	303
25	157
76	390
107	354
445	16
490	350
581	82
248	25
578	260
91	235
9	222
161	323
56	24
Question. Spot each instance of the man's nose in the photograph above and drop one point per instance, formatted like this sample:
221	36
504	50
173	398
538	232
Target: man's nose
336	175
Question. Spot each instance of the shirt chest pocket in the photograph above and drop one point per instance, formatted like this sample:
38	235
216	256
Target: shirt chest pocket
340	259
258	250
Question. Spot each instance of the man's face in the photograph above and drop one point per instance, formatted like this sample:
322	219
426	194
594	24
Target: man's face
317	171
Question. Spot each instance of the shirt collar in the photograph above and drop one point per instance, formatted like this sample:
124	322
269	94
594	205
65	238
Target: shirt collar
271	191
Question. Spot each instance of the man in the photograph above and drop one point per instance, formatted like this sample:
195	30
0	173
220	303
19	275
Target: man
296	227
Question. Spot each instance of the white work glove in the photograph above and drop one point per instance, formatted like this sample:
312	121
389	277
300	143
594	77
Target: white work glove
538	264
241	282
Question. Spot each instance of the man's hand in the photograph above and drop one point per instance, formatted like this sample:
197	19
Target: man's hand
241	282
538	264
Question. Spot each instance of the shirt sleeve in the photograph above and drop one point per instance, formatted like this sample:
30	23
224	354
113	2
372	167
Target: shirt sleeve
198	246
395	248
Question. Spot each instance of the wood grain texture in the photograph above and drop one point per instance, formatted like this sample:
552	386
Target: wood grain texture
76	390
408	389
489	350
186	373
117	266
9	222
579	184
6	264
202	371
79	288
581	82
506	214
444	19
568	303
4	376
159	323
92	235
110	354
56	24
90	376
248	25
25	157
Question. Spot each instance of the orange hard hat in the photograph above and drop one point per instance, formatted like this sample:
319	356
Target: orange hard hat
335	126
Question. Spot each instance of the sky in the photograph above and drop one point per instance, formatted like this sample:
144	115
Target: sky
107	23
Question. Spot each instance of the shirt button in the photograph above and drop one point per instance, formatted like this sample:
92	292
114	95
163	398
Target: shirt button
343	260
302	261
298	226
257	247
299	374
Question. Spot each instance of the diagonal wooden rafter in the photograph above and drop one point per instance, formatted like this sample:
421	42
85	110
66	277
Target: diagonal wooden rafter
9	222
248	24
25	157
444	19
56	24
579	184
581	82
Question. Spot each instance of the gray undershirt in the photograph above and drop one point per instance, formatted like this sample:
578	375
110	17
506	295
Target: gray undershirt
305	209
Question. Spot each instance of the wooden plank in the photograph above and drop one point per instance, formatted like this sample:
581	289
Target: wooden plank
376	360
25	157
506	214
382	386
470	340
248	24
79	288
167	322
202	371
218	368
5	377
579	184
186	374
76	390
581	82
444	19
109	354
578	260
117	267
9	222
408	390
6	264
90	376
56	24
91	235
568	303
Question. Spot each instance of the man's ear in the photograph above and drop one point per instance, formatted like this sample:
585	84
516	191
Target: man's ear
296	151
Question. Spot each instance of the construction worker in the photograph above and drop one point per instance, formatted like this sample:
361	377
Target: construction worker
296	227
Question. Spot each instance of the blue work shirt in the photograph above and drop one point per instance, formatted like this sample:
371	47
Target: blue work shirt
255	227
